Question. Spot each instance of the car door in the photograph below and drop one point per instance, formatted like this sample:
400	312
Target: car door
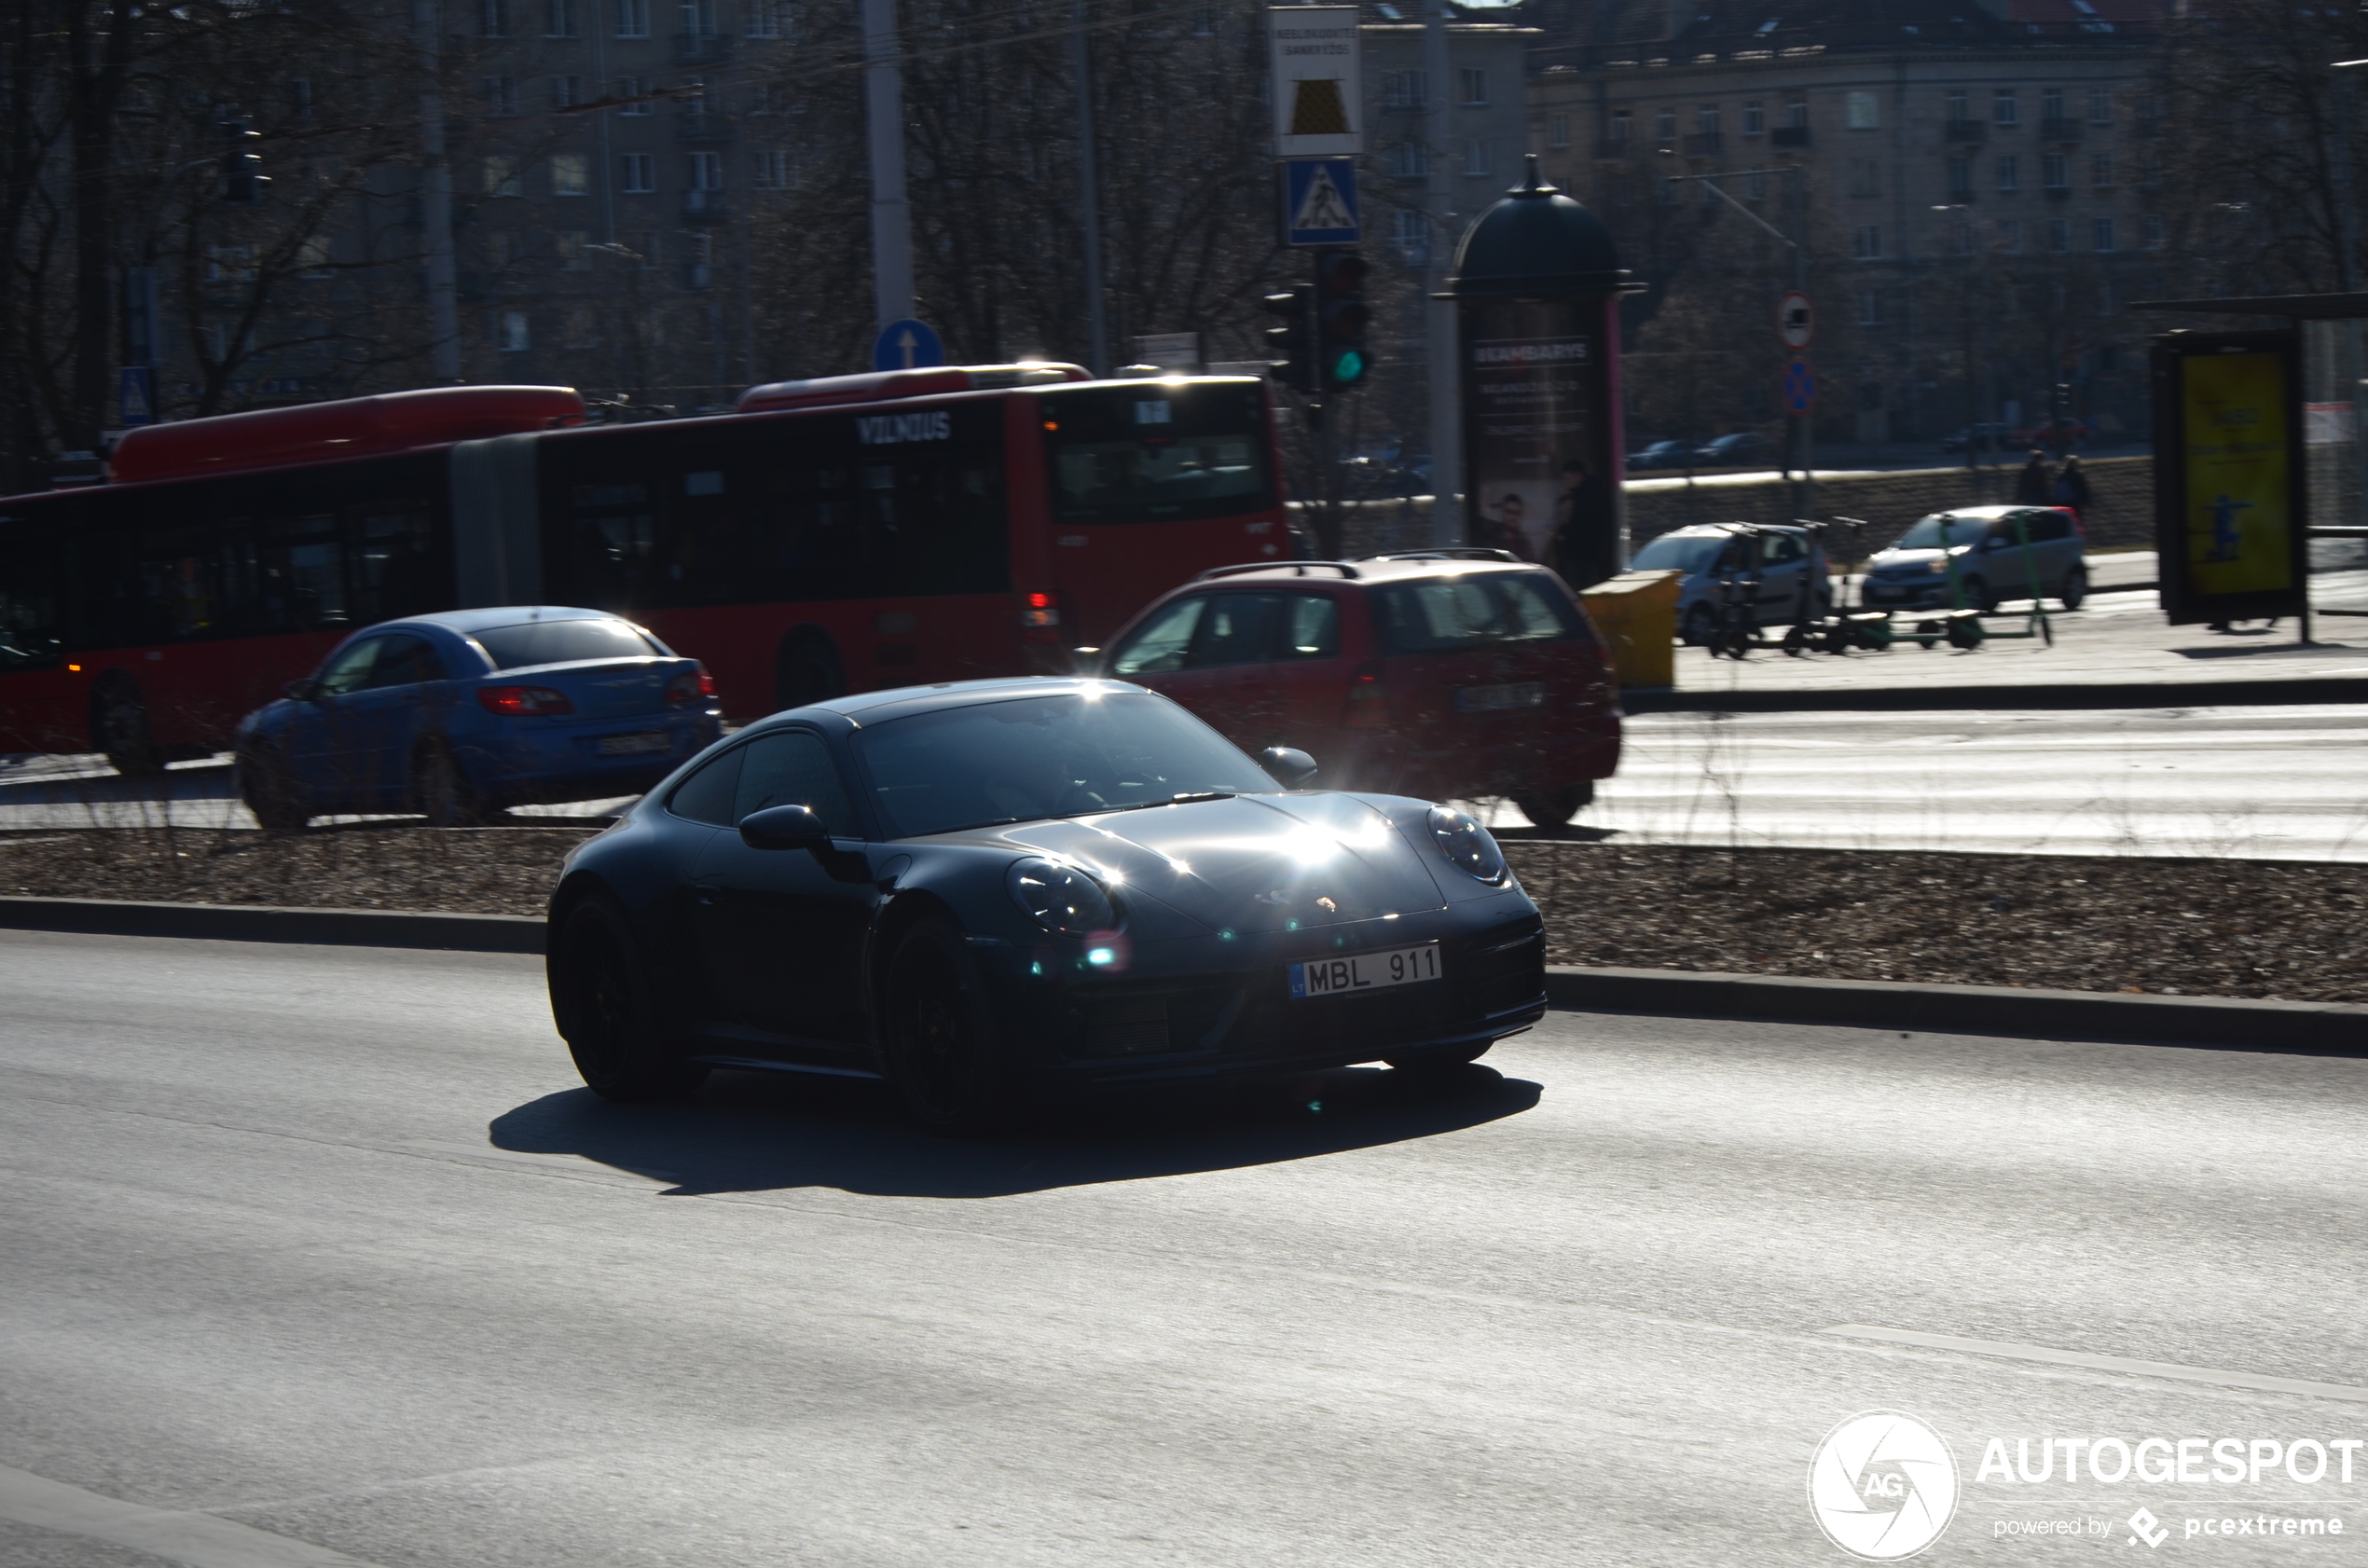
320	739
781	932
400	702
1309	684
1785	567
1157	651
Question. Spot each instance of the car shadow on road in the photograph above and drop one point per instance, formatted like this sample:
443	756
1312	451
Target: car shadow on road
751	1132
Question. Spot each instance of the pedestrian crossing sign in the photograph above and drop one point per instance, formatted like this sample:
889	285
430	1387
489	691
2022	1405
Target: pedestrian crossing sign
1319	202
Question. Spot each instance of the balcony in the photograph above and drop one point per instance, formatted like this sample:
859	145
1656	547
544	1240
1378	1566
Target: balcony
695	129
705	206
2060	130
1963	132
702	48
1702	143
1789	136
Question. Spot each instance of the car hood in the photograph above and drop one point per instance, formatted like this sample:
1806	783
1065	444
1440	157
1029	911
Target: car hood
1905	559
1251	864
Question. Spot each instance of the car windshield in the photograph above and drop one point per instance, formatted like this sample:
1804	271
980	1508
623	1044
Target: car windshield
1452	614
1676	553
1925	535
1065	755
552	642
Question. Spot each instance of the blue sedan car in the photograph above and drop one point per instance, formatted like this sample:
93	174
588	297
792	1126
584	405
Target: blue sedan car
461	714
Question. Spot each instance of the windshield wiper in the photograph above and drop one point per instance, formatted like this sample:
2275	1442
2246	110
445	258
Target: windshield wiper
1187	797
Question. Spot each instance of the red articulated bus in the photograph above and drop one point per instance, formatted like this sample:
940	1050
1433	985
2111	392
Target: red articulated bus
831	535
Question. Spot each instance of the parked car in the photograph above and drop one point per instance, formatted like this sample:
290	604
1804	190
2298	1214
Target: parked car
1986	437
1444	674
1744	446
1795	580
460	714
989	890
1661	454
1921	568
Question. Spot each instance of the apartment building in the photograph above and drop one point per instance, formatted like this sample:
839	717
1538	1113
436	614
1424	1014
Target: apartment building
1975	183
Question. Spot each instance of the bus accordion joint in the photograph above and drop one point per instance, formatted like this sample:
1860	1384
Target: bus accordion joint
1041	620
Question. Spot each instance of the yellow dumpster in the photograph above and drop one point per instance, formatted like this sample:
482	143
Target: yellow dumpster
1637	613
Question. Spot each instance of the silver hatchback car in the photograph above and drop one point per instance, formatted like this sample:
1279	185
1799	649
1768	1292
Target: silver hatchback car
1976	547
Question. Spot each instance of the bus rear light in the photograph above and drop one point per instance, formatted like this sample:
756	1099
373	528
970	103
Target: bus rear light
690	686
1368	698
523	701
1041	620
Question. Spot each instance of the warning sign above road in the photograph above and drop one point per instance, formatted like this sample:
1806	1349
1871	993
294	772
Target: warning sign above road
1319	202
1795	321
1320	99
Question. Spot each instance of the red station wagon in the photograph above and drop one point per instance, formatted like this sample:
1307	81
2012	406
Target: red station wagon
1445	674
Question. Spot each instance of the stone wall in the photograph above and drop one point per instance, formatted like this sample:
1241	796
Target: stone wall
2121	513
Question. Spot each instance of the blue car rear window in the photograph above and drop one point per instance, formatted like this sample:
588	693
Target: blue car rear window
552	642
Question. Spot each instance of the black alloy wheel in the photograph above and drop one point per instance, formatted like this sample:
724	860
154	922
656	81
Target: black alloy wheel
440	790
269	792
1980	596
2075	588
940	1037
1701	624
1554	808
600	1001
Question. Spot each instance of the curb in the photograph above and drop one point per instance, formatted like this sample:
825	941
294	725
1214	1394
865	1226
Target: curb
332	927
2335	1027
1908	699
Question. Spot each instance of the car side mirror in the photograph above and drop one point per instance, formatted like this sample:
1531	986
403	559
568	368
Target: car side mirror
305	689
784	827
1287	766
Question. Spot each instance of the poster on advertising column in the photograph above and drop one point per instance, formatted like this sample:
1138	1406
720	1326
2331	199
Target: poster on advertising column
2230	517
1537	434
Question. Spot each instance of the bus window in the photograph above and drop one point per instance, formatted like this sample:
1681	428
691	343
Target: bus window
32	607
1155	453
399	569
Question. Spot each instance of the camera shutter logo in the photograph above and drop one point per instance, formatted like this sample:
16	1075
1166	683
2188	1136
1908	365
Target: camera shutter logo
1882	1486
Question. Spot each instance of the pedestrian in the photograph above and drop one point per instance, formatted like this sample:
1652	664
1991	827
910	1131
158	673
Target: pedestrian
2071	487
2035	486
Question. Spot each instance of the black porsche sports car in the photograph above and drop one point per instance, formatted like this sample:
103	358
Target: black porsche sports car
984	890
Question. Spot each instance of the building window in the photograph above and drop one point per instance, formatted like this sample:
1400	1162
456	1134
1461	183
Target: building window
1623	129
1665	127
2010	236
1475	82
2005	108
2058	235
511	333
1558	130
1870	307
770	19
314	256
1409	160
570	175
1404	90
2108	303
500	94
1863	112
2105	235
707	171
1796	114
574	250
632	18
2150	228
1410	232
2150	172
1958	111
493	17
2100	106
1867	243
1755	117
773	168
1960	238
1960	179
1863	177
635	91
1755	184
2010	178
566	91
300	99
1706	119
559	19
2057	169
1479	156
501	176
2051	105
2150	113
2100	172
641	173
229	264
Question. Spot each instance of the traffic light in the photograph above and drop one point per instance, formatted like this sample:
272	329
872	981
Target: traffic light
1340	317
242	176
1291	348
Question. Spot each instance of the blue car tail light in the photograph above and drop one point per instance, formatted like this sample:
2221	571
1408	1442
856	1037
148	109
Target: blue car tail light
695	685
523	701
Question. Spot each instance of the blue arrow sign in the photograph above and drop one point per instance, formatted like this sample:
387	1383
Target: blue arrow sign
1319	202
907	345
1800	386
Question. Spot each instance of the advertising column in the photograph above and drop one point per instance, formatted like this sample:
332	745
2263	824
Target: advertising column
2229	519
1537	432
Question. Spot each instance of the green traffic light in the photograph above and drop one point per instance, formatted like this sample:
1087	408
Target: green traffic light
1348	368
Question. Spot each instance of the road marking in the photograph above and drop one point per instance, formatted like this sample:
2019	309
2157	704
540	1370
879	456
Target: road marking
200	1540
2101	1363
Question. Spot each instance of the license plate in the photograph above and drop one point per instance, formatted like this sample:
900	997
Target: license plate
633	745
1365	972
1497	700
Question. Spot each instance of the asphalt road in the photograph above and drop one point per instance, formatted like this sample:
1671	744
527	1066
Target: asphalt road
319	1257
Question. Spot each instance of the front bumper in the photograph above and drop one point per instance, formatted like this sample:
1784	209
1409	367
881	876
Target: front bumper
1930	594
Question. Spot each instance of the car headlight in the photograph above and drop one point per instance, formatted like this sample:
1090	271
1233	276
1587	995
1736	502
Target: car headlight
1060	898
1469	845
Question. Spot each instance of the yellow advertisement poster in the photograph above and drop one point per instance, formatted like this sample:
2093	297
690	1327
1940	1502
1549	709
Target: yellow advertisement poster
2239	490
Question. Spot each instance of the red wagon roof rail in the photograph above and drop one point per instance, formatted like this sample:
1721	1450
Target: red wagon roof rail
880	385
350	427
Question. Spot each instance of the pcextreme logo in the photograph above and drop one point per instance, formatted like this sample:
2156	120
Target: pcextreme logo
1882	1486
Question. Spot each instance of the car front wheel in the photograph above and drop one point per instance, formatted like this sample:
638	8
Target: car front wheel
1702	622
600	1001
2075	588
269	792
942	1042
